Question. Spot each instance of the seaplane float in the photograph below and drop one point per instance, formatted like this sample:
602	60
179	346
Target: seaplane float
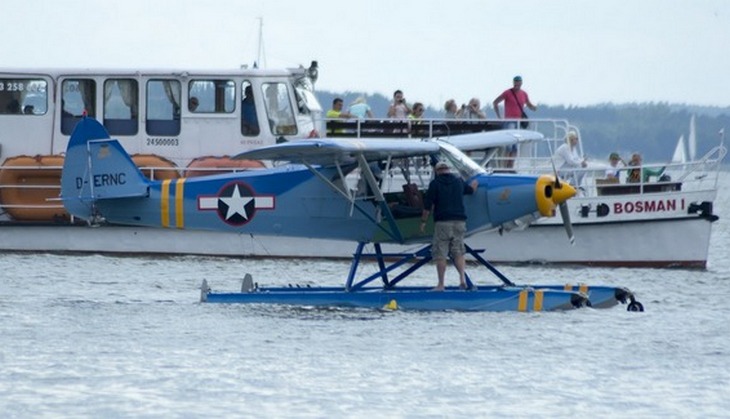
308	195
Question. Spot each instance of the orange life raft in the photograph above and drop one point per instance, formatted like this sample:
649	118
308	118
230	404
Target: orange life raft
27	186
30	185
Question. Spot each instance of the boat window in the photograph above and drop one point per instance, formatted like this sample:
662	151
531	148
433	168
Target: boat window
307	102
211	96
23	96
249	119
121	106
78	96
163	107
279	109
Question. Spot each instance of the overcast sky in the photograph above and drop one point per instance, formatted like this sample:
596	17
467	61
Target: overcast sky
570	52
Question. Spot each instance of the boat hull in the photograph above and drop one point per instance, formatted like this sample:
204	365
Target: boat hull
658	243
649	243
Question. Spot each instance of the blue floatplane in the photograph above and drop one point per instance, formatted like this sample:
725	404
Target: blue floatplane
330	189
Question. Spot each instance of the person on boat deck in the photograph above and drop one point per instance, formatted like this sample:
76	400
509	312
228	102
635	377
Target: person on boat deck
13	106
248	113
417	113
360	108
398	108
474	110
193	103
641	174
515	99
452	111
336	111
444	198
613	171
567	159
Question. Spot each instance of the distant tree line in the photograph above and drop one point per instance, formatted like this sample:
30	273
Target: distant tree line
649	128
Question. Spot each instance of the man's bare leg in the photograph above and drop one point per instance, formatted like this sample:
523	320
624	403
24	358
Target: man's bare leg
460	262
441	271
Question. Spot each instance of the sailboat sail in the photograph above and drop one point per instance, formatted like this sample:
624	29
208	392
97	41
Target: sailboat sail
680	155
692	140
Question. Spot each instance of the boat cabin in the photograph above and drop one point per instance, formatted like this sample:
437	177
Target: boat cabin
171	121
178	114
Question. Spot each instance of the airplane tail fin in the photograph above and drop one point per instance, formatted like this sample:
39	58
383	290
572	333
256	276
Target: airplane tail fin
97	167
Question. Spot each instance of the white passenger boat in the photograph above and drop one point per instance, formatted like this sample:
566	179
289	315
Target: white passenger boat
663	222
182	123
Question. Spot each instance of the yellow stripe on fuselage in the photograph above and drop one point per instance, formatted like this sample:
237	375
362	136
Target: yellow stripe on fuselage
179	212
165	203
178	207
522	302
539	295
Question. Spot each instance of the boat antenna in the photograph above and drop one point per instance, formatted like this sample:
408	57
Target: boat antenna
261	55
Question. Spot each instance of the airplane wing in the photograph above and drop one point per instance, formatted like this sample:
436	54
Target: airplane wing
341	150
490	139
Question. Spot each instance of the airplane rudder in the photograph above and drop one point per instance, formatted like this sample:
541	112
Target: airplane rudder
87	129
97	167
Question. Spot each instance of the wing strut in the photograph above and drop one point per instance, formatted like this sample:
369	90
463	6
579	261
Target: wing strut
393	231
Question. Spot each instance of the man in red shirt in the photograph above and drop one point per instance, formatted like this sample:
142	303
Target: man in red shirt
514	101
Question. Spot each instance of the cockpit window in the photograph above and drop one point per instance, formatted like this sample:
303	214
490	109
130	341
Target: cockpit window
459	161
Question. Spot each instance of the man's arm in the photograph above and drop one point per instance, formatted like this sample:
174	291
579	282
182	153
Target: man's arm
529	104
496	103
424	218
471	187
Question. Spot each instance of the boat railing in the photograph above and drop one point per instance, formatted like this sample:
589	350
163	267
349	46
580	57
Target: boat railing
712	159
29	192
701	174
435	127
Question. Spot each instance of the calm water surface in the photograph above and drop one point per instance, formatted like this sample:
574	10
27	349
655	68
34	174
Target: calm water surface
97	336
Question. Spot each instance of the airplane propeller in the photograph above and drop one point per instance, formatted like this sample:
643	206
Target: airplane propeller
564	212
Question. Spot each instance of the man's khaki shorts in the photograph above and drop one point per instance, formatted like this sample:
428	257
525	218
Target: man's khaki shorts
448	237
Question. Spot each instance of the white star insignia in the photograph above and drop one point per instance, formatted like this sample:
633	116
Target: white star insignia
236	204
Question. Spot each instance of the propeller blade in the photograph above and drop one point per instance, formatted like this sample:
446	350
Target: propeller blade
565	215
555	171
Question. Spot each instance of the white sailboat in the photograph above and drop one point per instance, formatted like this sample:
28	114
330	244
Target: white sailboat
680	151
692	139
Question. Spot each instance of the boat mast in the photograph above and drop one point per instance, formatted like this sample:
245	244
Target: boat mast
261	52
